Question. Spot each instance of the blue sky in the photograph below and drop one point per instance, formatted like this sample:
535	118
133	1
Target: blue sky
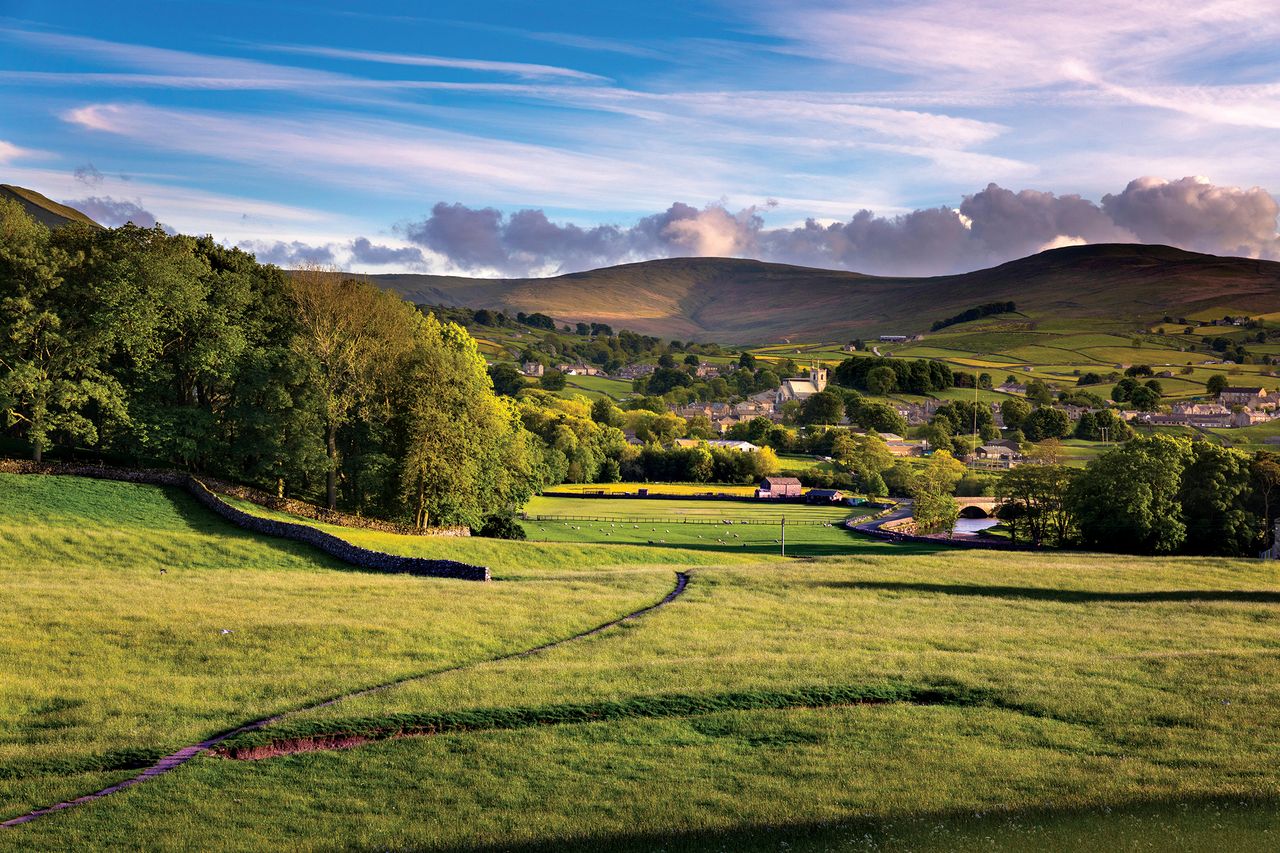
300	129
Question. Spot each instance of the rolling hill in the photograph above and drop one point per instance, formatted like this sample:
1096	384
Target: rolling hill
736	300
43	209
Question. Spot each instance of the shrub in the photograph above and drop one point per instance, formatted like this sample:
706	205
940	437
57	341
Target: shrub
501	527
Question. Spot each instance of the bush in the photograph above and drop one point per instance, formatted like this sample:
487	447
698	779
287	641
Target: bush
501	527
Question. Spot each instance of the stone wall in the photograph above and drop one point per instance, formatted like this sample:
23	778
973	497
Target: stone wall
335	547
340	549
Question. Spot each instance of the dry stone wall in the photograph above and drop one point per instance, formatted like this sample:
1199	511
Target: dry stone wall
335	547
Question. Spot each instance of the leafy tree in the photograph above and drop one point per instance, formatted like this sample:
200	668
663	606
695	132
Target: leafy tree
1144	399
1216	493
506	379
1039	393
747	361
1046	422
605	412
664	379
1014	411
1128	498
351	332
880	418
1034	498
932	492
1216	384
824	407
552	380
881	381
1103	425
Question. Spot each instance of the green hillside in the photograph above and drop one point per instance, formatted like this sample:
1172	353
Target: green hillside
43	209
742	301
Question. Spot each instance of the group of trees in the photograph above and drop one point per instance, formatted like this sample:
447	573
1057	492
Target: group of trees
975	313
153	348
1151	495
879	376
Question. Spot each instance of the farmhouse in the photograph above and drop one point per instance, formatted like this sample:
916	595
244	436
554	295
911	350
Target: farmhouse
779	487
706	371
1241	396
579	370
532	368
824	496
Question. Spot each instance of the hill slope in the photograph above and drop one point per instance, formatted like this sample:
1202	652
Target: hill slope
43	209
737	300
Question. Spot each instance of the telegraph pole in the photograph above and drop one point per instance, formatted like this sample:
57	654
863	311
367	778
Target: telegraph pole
784	536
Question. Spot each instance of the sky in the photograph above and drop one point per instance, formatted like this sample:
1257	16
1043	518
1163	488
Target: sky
530	138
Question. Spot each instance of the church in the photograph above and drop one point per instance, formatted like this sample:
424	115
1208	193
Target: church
803	387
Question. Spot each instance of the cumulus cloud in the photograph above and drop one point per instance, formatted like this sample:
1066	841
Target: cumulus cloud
289	254
114	211
988	227
365	252
1195	214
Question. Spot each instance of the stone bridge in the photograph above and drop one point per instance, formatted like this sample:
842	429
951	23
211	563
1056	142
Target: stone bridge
977	507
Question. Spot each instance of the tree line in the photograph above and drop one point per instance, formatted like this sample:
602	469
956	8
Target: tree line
158	349
1152	495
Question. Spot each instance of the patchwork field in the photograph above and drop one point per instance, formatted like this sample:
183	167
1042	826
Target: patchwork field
879	699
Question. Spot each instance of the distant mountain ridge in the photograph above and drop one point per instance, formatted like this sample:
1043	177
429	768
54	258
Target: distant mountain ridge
738	300
43	209
745	301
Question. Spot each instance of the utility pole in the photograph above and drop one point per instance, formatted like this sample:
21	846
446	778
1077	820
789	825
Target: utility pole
784	536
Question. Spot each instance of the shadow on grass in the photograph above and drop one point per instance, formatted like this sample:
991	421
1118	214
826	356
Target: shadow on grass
203	521
1205	823
1067	596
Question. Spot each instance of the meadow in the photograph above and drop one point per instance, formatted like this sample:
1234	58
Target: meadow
1055	694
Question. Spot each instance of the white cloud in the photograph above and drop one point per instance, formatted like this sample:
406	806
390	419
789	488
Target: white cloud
519	69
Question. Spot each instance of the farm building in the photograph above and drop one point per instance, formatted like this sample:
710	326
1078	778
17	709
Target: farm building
824	496
532	368
779	487
1242	396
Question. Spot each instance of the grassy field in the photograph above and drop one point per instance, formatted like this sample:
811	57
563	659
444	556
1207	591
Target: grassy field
658	488
1087	702
698	526
101	652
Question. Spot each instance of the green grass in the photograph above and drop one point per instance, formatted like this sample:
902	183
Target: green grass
100	652
658	488
1103	701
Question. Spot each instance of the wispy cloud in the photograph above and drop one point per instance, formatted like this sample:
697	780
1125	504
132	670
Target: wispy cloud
519	69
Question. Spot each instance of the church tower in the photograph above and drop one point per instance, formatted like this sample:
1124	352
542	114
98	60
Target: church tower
818	376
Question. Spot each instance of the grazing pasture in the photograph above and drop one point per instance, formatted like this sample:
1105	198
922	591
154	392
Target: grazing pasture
1008	701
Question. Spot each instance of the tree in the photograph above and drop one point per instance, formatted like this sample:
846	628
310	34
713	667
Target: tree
1014	411
1266	479
552	380
824	407
1035	498
1128	499
1104	425
880	418
1216	494
1144	398
932	493
352	332
747	361
1039	393
506	379
604	411
1216	384
665	379
692	360
881	381
1046	422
